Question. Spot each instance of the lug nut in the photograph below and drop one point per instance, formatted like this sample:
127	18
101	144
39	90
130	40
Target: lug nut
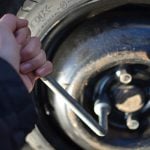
124	77
132	123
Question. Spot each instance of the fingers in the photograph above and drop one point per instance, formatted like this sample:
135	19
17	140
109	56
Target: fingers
34	63
39	65
33	60
29	80
31	50
44	70
13	22
23	36
21	23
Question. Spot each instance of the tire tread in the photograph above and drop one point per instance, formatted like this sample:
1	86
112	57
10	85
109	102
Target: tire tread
27	7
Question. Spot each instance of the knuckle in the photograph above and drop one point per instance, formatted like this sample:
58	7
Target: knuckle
22	32
32	49
36	40
9	16
49	67
26	31
38	60
29	51
42	57
33	65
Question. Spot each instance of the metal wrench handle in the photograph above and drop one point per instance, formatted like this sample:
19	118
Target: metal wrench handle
74	105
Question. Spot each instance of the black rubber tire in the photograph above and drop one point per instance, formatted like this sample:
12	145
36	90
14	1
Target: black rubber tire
42	14
46	12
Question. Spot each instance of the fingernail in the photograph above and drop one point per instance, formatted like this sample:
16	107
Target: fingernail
25	67
41	71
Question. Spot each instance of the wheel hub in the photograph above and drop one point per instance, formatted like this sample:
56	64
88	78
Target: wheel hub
122	93
128	98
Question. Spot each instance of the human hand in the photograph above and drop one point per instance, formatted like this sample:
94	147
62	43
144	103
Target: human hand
23	50
9	48
33	59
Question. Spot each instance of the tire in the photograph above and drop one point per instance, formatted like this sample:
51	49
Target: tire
46	19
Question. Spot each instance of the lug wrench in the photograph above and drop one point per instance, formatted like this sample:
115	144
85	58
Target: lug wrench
53	85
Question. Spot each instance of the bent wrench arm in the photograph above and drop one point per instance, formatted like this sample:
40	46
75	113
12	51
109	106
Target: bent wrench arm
53	85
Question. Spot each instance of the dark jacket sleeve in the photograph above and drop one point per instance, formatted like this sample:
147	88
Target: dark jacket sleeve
17	113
